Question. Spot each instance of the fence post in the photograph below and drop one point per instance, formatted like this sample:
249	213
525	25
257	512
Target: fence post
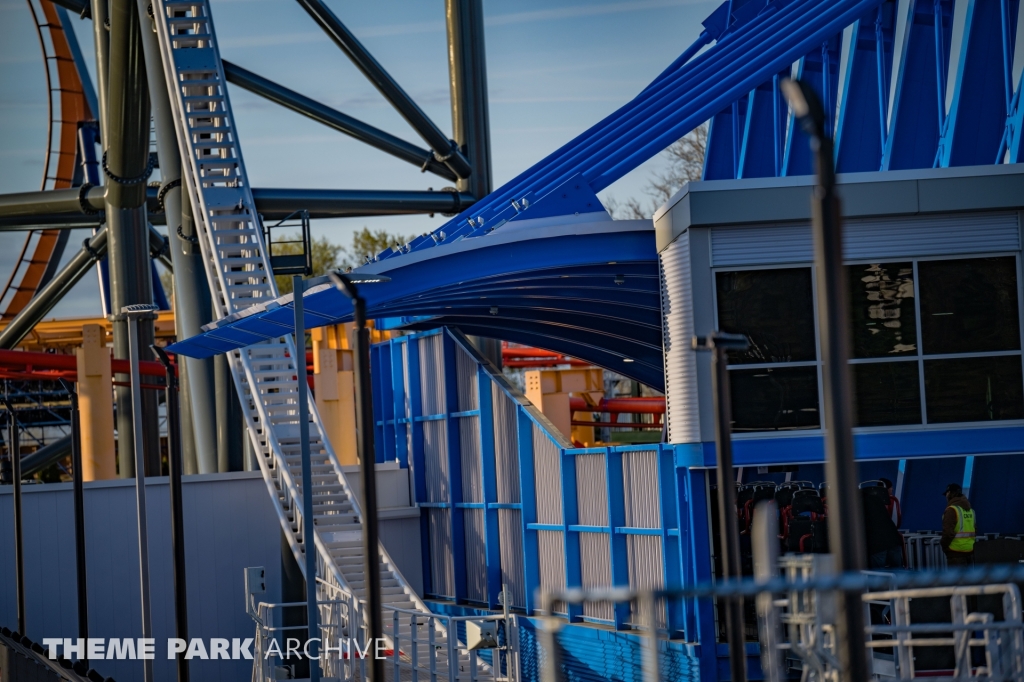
668	521
570	517
488	466
418	465
454	445
617	546
398	393
528	501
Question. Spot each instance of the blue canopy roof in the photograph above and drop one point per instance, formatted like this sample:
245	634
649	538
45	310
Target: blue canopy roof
586	286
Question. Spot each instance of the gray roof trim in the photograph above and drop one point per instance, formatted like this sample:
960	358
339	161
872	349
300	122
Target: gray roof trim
882	193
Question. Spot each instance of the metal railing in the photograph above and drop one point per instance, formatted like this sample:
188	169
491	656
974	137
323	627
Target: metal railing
417	646
796	622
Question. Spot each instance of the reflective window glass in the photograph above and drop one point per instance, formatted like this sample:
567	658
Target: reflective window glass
774	308
887	393
775	399
969	305
974	389
882	309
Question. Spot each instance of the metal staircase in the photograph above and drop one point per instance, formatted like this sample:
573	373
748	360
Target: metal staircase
231	239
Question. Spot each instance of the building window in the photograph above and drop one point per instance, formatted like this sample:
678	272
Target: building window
932	342
774	383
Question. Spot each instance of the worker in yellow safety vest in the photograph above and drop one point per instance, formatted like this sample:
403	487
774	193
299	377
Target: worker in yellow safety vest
958	528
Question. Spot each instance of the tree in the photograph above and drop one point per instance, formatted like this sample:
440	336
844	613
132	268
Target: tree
685	163
367	244
325	257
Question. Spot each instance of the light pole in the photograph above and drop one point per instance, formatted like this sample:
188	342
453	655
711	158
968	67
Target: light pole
79	503
367	460
133	313
844	518
174	468
720	343
308	539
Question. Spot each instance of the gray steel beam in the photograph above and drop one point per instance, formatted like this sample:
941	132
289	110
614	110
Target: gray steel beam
45	299
126	164
62	208
333	118
45	456
191	291
467	72
336	203
445	150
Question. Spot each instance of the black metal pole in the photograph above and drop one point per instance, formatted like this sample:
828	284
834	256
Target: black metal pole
367	462
82	583
14	451
729	535
308	539
844	513
445	149
333	118
174	466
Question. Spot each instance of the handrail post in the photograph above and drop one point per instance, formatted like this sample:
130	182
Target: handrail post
308	531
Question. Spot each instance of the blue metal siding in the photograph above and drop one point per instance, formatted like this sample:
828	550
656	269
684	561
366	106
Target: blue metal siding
996	494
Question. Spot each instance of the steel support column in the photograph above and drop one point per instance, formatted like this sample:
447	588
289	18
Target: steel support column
467	76
191	291
126	165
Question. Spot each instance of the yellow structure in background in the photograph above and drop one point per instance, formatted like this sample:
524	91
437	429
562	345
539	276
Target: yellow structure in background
334	387
65	335
550	390
95	404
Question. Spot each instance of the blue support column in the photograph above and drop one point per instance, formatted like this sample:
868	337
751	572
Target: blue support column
528	500
669	522
379	371
418	465
977	112
454	443
488	466
860	132
401	419
700	557
618	548
765	112
684	555
570	541
914	125
384	407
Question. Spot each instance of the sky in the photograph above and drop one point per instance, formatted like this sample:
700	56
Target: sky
555	68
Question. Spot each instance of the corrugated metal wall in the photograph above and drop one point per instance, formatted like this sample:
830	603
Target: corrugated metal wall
595	551
547	483
435	461
681	406
642	501
538	559
506	469
472	477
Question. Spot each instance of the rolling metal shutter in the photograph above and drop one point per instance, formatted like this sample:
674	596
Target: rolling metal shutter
882	238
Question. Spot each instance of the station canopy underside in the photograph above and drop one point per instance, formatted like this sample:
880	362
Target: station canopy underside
589	289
